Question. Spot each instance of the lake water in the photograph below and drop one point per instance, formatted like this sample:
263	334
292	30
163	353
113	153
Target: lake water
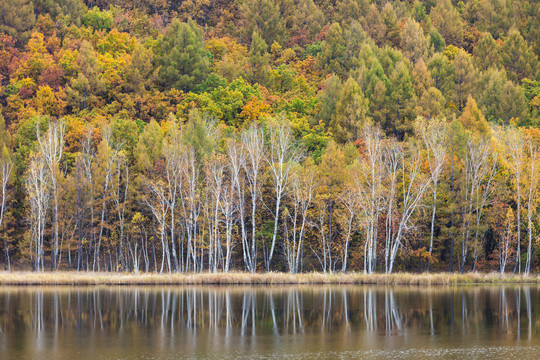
301	322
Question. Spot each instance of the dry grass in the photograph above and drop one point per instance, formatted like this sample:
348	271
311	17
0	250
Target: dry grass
241	278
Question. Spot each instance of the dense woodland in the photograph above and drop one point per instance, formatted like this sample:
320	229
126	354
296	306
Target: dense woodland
270	135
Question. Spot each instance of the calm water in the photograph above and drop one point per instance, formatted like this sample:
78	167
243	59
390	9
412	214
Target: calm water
312	322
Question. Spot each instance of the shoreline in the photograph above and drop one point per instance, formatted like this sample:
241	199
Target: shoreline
73	278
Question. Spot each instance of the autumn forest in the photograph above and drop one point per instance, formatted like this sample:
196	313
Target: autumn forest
270	135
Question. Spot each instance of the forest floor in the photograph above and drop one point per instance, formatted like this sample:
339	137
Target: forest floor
243	278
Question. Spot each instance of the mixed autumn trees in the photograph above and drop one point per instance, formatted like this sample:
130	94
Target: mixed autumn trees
269	135
193	198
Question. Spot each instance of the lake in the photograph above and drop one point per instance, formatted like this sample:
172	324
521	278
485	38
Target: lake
294	322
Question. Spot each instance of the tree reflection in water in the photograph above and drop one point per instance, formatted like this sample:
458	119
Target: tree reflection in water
227	318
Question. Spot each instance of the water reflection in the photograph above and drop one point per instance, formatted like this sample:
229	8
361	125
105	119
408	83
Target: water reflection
214	322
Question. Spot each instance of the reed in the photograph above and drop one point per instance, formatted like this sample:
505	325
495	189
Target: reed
272	278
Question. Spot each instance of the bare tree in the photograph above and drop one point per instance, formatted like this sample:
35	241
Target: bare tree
191	207
253	143
326	259
414	184
87	164
533	176
349	200
435	136
159	205
173	150
228	209
51	146
282	154
393	162
37	187
235	154
303	184
6	167
506	239
120	198
214	172
105	168
480	166
514	144
368	180
483	198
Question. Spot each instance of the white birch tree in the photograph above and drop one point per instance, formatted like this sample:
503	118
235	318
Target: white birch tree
51	146
253	143
282	154
434	133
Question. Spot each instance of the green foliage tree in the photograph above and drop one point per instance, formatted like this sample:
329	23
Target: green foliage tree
328	98
464	78
448	22
401	101
518	57
332	55
487	52
442	74
258	59
183	60
351	112
98	19
473	120
73	9
413	41
87	89
436	41
431	103
264	16
390	20
494	16
17	18
140	73
149	149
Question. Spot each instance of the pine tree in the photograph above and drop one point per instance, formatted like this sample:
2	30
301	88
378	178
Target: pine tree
487	53
472	118
400	101
448	22
183	60
258	59
464	77
518	57
413	41
350	115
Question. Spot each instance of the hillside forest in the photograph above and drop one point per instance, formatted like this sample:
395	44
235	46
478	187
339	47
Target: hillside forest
270	135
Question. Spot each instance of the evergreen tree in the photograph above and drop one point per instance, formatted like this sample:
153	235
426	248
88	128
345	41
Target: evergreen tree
264	17
140	73
332	55
350	115
473	120
431	103
518	57
487	52
258	59
401	99
442	74
74	9
464	77
183	61
328	98
413	41
448	22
